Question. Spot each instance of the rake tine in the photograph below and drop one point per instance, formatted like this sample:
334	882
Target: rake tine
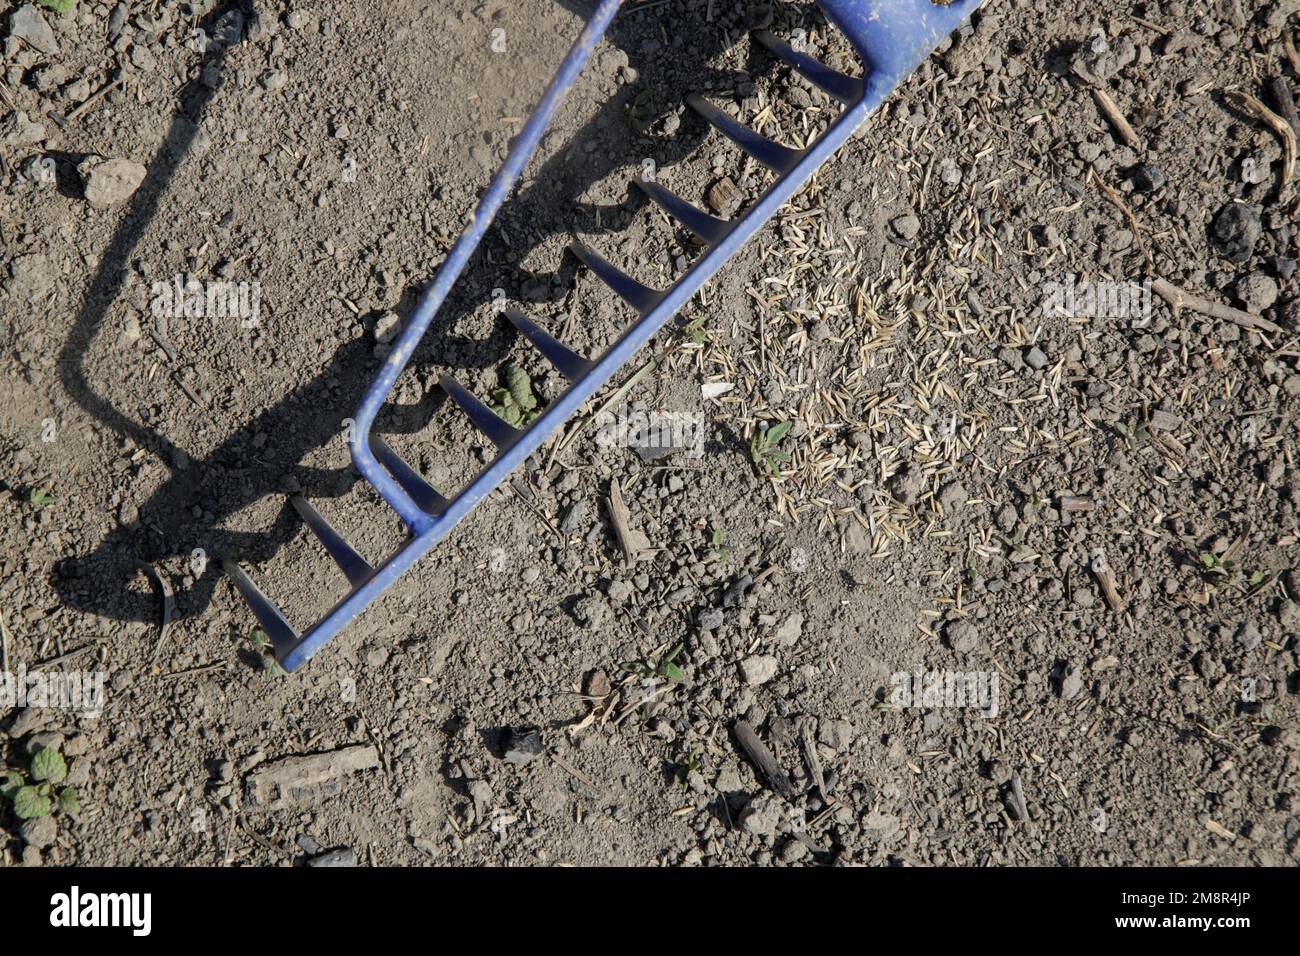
408	477
571	365
846	89
496	428
352	564
640	297
280	631
891	38
778	158
709	228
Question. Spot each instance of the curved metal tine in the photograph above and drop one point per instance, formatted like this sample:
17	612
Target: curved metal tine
351	563
778	158
496	428
709	228
408	477
283	636
846	89
640	297
571	365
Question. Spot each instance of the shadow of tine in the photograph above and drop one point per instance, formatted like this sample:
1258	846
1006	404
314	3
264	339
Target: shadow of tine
97	582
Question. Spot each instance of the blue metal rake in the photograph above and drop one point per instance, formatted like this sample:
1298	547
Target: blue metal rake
892	37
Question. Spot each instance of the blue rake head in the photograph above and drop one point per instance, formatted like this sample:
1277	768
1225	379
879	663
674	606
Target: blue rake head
891	36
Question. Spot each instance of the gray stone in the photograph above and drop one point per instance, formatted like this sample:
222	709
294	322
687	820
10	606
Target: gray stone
522	745
386	327
1036	358
18	130
763	816
346	856
1072	684
111	181
962	636
29	25
758	669
39	832
790	630
1257	292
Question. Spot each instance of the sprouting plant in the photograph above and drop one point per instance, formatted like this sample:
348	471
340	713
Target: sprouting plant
1220	572
720	543
765	448
262	644
641	110
41	498
39	792
667	667
690	764
696	332
516	402
1134	435
58	6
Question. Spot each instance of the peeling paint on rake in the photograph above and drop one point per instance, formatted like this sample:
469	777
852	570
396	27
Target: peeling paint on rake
892	38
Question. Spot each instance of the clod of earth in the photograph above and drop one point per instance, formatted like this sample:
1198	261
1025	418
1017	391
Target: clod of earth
111	181
29	24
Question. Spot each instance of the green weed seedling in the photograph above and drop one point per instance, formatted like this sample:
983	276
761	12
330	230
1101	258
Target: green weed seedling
40	791
667	667
262	644
40	498
765	448
516	403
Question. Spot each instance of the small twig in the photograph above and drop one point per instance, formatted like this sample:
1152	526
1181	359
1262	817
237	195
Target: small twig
198	669
1071	503
574	772
1106	578
1116	200
628	539
1182	299
1250	105
163	344
810	757
4	645
168	604
762	759
1018	803
94	98
1288	47
63	657
1111	110
1280	90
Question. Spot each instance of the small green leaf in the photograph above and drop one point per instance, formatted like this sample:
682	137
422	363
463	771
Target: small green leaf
777	432
672	672
48	766
13	783
30	803
68	802
521	388
40	497
1208	559
58	6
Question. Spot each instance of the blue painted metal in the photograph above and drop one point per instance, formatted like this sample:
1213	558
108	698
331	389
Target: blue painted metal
892	36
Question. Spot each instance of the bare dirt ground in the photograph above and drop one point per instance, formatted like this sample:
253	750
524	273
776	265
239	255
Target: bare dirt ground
1008	459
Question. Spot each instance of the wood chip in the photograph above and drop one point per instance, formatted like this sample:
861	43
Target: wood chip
763	760
633	542
1250	105
1182	299
1111	111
